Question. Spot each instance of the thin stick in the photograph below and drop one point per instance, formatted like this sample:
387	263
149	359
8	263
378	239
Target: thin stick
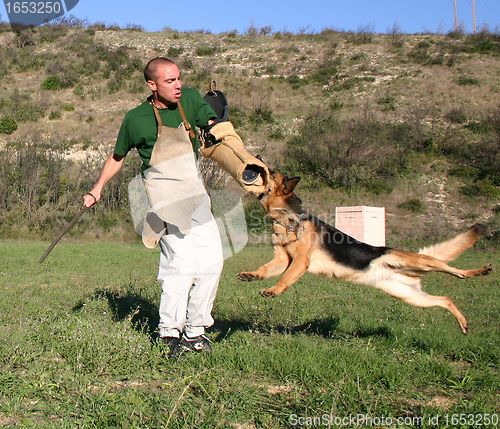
64	231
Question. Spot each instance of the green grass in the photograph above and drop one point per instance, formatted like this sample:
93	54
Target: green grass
78	349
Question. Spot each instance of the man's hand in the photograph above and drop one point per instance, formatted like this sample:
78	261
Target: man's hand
111	167
91	198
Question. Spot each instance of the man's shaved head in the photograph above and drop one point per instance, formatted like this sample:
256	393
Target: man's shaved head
152	67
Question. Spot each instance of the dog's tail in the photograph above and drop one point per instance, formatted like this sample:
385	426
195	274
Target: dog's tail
447	251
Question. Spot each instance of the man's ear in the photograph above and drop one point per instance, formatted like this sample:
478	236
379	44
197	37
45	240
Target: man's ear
152	85
290	184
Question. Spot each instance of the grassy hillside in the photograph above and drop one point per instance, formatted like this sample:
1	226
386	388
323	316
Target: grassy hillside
408	122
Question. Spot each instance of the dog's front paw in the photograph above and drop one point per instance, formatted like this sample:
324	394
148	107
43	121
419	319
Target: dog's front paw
247	277
268	293
487	269
465	328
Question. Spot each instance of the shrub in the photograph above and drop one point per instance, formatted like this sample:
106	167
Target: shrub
83	44
68	73
353	82
134	27
25	38
413	205
456	115
266	30
261	116
479	127
174	52
50	33
237	116
28	59
465	81
52	83
113	86
379	187
345	155
336	105
39	187
277	132
437	60
21	107
364	34
485	156
271	68
483	43
420	54
484	188
388	102
205	51
465	172
296	81
359	56
8	125
327	70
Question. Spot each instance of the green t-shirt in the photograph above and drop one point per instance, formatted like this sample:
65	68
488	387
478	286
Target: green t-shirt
139	128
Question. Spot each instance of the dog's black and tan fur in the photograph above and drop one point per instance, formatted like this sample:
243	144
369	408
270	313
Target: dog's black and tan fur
303	243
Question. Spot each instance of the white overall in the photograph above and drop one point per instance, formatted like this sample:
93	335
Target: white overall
191	257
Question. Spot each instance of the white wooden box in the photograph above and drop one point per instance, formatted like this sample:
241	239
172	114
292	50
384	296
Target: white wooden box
366	224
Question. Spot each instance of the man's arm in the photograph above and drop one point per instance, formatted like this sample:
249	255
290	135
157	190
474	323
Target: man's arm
112	166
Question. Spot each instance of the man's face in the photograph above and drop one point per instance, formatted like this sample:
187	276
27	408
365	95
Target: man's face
167	84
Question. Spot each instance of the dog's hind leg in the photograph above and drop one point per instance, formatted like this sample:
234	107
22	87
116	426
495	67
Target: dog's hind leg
417	264
418	298
274	268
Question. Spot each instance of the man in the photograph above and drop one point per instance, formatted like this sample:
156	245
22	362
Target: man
191	258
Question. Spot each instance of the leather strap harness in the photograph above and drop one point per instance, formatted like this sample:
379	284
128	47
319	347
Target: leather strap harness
185	122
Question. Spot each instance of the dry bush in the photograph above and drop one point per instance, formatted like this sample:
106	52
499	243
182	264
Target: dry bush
40	188
347	155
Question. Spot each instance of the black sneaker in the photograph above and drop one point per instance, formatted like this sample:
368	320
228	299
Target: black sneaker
173	344
200	344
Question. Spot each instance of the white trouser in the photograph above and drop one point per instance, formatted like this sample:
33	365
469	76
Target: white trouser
190	268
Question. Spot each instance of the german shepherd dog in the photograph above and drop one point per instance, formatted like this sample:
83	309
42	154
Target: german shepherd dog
303	243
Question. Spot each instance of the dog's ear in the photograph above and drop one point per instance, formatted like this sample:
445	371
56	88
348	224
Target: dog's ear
287	185
290	184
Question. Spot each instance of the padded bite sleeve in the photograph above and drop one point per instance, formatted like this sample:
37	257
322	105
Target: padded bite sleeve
250	172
